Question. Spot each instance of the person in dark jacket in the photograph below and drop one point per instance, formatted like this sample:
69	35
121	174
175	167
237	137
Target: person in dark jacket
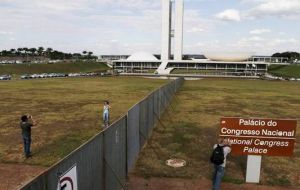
26	123
219	171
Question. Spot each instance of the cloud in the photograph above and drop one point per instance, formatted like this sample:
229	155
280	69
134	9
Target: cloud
194	21
282	41
75	25
69	5
279	8
229	15
126	26
195	30
263	8
251	40
5	33
269	44
257	44
260	31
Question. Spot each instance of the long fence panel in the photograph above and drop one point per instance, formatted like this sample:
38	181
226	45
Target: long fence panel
156	104
115	155
144	122
104	162
151	118
88	162
133	136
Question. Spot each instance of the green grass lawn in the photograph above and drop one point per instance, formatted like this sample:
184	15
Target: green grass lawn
69	112
189	128
285	70
52	68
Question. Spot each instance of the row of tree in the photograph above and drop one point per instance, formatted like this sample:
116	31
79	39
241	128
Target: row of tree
46	53
292	56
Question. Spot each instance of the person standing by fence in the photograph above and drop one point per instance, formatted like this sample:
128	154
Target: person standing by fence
106	109
218	158
26	123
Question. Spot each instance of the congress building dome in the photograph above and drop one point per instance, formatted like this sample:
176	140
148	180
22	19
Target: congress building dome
228	56
142	56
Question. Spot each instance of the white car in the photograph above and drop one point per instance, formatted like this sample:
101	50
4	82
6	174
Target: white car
34	76
5	77
25	76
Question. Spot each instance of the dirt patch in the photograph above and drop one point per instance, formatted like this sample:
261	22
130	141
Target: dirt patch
140	183
13	176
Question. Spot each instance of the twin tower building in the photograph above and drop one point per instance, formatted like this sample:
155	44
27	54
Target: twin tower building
172	27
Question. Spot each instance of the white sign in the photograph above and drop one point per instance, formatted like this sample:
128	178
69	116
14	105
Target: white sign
253	169
68	181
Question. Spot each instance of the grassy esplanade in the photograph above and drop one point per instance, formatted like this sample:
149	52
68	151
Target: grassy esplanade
291	71
189	128
68	112
19	69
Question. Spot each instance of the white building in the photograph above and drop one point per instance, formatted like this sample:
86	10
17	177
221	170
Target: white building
222	63
167	32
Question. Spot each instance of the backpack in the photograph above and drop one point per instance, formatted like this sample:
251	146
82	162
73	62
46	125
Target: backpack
217	156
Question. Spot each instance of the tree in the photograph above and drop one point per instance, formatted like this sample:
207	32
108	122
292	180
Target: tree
13	52
76	56
290	55
32	51
56	55
40	51
25	50
49	51
19	51
4	53
90	54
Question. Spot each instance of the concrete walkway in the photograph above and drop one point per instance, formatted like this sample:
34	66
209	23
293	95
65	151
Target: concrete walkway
139	183
13	176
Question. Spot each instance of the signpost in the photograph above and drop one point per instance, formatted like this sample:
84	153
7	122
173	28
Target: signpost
68	180
259	137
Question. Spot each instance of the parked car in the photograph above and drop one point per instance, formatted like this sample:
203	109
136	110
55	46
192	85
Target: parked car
34	76
54	75
5	77
44	75
73	74
26	76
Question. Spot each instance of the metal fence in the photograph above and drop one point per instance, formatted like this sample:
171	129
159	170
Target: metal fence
105	161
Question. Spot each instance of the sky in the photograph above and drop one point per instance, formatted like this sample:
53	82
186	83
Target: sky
262	27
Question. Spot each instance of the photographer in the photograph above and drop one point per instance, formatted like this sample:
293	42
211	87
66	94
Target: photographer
218	158
26	123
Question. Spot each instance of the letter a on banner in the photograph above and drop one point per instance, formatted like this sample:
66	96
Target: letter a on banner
68	181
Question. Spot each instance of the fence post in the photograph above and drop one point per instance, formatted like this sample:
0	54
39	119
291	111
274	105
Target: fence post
103	163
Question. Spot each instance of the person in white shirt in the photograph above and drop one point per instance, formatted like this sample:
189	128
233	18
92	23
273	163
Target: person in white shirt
106	108
219	170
